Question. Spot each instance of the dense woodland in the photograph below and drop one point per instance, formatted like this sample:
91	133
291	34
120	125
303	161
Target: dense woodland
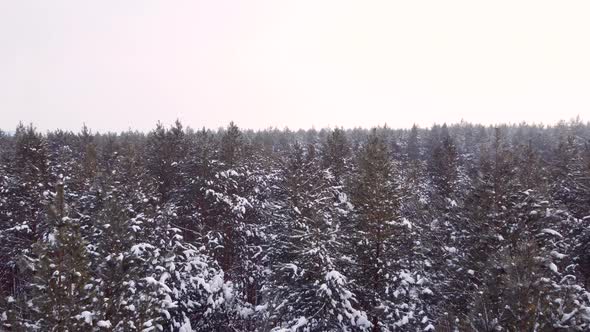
452	228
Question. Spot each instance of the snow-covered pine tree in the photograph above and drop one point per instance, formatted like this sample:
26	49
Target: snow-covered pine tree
60	266
432	201
166	150
308	288
227	204
387	284
443	164
118	267
517	270
89	153
336	154
25	185
186	282
482	227
534	286
413	144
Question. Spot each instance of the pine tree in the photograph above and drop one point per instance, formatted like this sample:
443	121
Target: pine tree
482	225
22	213
444	164
336	154
231	211
231	146
412	146
59	300
388	286
533	286
308	287
166	150
89	154
116	268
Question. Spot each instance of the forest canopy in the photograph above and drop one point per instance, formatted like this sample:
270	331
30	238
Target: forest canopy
459	227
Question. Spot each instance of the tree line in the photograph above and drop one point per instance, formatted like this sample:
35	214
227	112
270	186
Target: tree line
462	227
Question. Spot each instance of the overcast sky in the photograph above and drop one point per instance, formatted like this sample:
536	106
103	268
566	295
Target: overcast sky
121	64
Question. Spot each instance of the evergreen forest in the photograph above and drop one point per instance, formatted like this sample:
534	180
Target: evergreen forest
459	227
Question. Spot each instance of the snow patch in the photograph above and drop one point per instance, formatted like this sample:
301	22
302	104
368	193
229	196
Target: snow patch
551	232
302	321
104	323
86	316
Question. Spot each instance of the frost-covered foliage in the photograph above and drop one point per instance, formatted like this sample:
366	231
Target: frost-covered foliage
453	228
307	288
388	273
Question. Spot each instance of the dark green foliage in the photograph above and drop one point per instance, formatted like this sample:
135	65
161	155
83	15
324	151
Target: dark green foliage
60	268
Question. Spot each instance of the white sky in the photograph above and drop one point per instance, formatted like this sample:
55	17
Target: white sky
121	64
